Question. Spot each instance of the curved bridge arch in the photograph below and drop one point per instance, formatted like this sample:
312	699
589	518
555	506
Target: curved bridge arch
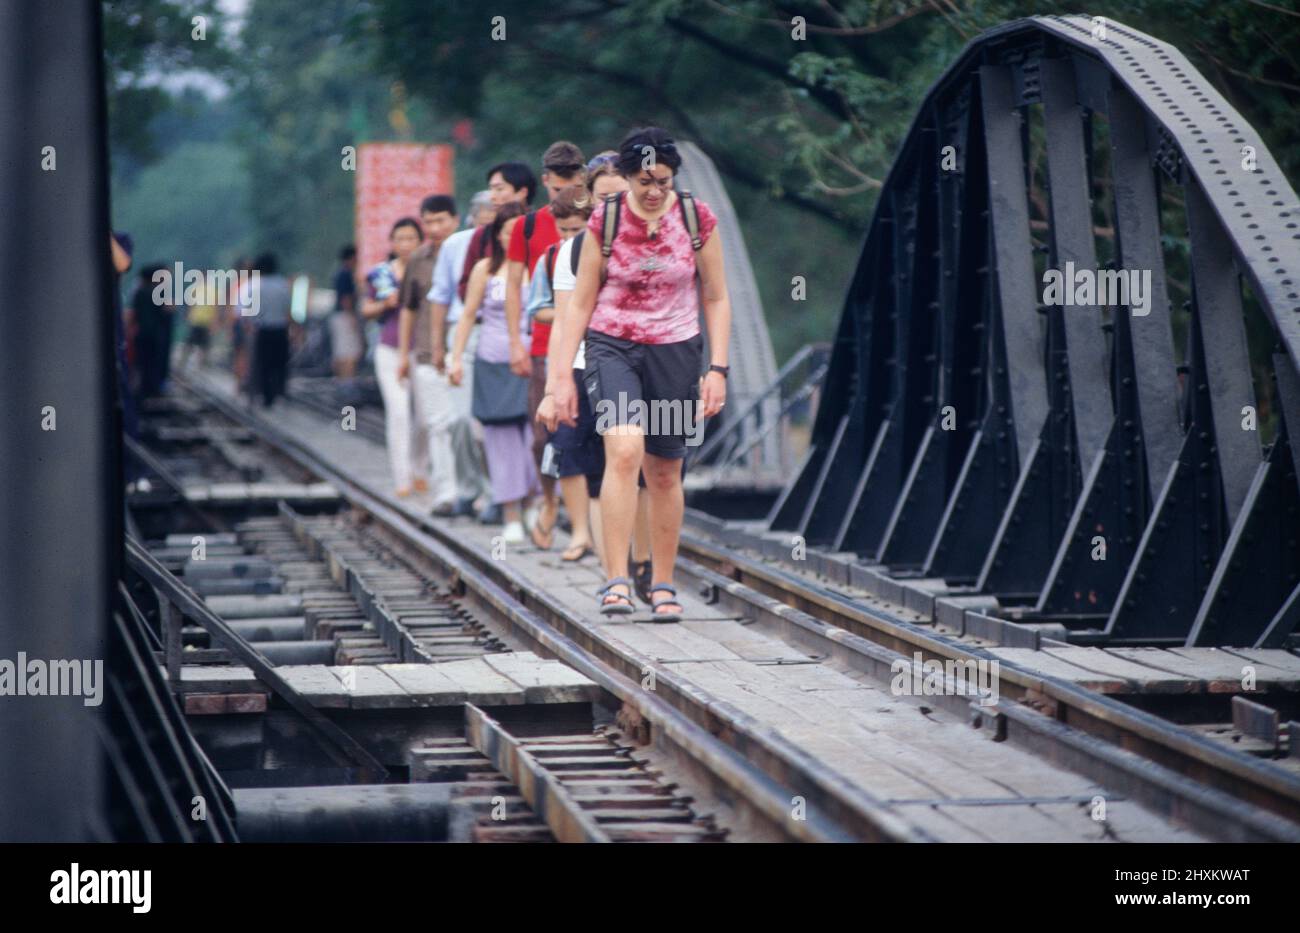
1068	461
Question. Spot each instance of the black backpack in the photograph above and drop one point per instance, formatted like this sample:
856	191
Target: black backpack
530	224
609	229
614	208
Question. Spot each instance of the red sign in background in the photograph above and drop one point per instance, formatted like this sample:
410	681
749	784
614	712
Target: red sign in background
392	179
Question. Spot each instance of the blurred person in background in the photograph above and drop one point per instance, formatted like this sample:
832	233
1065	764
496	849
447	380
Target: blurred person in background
508	183
121	247
269	315
383	296
562	167
577	452
201	320
346	347
500	396
434	409
152	325
445	306
241	348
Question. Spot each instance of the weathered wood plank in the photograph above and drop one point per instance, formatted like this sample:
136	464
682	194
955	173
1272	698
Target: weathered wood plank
1047	665
483	686
543	681
316	684
426	684
1147	679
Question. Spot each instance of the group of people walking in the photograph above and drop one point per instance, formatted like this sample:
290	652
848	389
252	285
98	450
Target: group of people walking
565	325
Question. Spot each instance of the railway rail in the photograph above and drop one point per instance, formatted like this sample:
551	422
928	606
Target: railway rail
317	595
1125	755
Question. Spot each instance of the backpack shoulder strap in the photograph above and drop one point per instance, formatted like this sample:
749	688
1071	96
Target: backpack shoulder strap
575	253
530	224
550	262
690	217
609	227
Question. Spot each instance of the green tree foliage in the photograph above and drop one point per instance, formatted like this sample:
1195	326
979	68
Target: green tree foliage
144	42
307	87
189	206
803	129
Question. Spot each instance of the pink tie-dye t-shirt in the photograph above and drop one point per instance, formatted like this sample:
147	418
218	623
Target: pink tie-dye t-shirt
649	295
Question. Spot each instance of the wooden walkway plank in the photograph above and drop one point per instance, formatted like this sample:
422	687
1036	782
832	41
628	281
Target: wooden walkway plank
743	640
316	684
1147	679
1042	663
1273	659
367	687
1226	670
543	681
426	684
483	685
686	644
1212	681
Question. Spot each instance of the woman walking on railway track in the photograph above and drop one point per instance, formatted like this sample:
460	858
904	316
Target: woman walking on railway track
383	286
637	302
500	397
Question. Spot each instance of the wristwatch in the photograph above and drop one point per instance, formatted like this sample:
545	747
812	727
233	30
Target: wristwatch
715	368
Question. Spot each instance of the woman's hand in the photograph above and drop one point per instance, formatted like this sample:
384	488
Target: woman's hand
565	401
455	371
520	363
403	367
713	394
547	415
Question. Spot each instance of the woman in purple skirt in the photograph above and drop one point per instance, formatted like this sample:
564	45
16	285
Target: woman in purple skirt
500	397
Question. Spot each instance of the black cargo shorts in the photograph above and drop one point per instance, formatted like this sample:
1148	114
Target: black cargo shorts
655	386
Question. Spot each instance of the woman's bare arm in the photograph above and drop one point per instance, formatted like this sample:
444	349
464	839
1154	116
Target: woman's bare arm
474	292
717	302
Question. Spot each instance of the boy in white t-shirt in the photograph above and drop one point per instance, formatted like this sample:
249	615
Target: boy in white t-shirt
580	456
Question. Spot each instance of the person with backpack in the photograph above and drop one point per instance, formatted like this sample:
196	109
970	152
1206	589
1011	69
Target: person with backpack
603	179
637	303
574	451
562	167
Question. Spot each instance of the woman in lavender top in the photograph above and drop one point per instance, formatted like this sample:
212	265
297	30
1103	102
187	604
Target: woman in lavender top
507	443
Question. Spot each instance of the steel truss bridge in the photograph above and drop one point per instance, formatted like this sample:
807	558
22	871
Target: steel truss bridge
971	434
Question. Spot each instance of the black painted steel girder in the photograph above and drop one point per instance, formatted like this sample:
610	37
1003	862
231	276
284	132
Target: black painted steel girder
1059	457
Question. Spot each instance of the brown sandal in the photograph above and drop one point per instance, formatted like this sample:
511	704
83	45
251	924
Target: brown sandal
543	539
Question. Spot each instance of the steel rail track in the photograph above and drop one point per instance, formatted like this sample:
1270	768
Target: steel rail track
1032	705
1169	769
741	759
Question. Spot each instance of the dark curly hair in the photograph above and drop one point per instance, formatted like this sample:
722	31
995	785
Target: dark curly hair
632	151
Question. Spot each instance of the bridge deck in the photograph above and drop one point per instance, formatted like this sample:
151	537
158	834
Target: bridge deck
1116	670
929	764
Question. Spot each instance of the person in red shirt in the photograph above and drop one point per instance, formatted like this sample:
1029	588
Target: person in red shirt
562	167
